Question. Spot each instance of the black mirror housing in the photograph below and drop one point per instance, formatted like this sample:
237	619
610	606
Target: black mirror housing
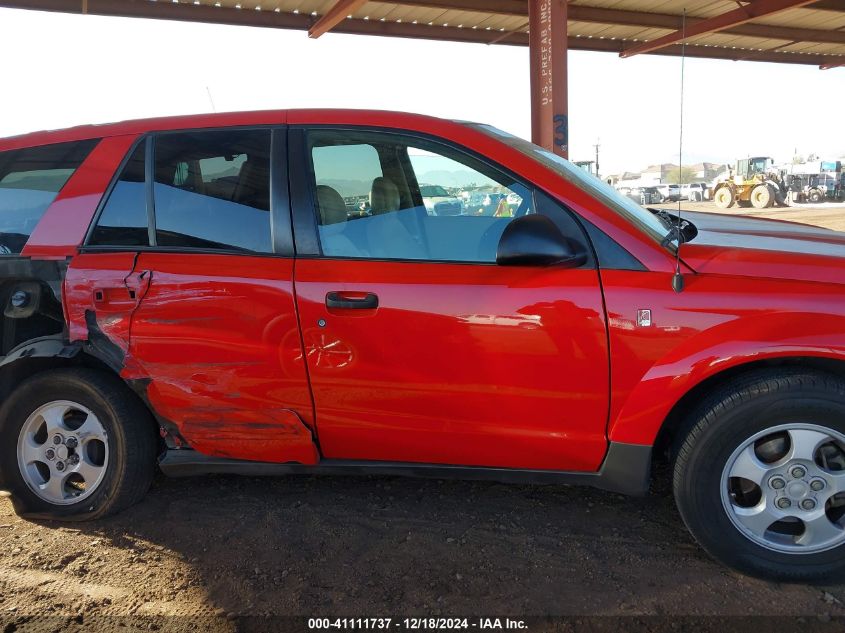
534	240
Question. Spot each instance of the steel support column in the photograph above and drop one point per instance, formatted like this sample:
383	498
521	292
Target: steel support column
547	42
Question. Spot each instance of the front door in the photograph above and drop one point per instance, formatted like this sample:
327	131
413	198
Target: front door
419	347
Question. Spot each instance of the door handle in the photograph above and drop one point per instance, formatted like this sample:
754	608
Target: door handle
352	300
111	298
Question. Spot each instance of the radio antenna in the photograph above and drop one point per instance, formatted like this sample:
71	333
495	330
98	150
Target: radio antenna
678	278
210	98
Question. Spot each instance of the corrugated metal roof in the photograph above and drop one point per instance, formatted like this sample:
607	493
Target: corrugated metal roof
813	34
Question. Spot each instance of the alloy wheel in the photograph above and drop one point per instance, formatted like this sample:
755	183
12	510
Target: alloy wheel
63	452
784	488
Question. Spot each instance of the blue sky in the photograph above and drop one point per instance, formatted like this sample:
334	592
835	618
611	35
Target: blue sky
62	70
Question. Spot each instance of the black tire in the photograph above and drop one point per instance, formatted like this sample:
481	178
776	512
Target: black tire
725	421
132	442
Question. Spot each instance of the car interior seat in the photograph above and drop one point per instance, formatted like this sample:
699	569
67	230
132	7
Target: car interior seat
390	234
331	206
384	196
253	188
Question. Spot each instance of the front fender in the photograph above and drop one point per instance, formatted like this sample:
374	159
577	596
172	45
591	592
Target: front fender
748	339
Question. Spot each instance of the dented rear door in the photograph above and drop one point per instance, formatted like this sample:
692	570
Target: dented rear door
103	286
201	317
217	342
102	291
215	337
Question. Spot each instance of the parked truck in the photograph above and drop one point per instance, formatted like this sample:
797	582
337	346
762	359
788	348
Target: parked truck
816	181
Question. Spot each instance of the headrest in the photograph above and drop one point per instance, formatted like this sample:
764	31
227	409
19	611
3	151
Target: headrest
331	206
254	184
384	196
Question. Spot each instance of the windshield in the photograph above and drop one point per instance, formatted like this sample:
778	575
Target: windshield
624	206
433	191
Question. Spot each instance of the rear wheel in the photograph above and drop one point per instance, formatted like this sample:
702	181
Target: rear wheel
81	445
761	197
724	197
760	477
814	196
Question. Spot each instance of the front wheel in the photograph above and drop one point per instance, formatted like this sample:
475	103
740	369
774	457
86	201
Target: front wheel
78	445
760	478
724	197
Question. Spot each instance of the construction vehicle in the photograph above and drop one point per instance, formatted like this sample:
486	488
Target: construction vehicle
752	182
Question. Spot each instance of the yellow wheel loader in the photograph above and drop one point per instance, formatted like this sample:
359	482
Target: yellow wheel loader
753	182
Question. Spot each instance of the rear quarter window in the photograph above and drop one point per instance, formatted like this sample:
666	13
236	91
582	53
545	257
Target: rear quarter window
30	179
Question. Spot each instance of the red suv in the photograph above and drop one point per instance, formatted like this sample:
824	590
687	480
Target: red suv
267	293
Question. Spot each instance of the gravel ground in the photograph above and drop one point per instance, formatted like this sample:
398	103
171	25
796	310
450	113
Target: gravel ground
207	553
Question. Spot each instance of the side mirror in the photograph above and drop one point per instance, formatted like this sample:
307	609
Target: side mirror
534	240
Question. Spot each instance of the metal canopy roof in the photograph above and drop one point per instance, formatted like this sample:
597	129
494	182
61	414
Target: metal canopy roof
787	31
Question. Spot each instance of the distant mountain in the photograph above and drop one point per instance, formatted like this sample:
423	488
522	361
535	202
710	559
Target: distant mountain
459	178
445	178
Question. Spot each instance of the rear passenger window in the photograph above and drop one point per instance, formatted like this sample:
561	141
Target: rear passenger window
212	190
30	179
123	221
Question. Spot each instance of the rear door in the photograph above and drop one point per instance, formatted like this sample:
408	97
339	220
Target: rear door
419	347
102	286
214	341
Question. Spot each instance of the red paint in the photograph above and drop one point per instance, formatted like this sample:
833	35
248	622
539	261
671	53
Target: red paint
462	364
63	227
217	337
95	285
716	323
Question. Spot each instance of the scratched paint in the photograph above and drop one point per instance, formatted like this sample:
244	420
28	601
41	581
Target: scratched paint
219	339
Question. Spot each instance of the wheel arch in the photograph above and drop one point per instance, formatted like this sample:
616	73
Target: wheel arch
46	353
677	421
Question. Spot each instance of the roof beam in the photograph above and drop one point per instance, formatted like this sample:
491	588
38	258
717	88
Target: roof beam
829	5
334	16
740	15
577	13
270	19
619	17
622	17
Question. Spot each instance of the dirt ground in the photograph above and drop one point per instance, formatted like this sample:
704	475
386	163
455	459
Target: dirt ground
223	548
207	553
829	215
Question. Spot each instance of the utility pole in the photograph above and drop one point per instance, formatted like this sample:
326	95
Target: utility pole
597	157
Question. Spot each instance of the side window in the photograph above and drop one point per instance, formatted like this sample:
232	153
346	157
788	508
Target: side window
123	221
212	190
30	179
387	196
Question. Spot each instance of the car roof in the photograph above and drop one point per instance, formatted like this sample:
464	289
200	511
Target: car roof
223	119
